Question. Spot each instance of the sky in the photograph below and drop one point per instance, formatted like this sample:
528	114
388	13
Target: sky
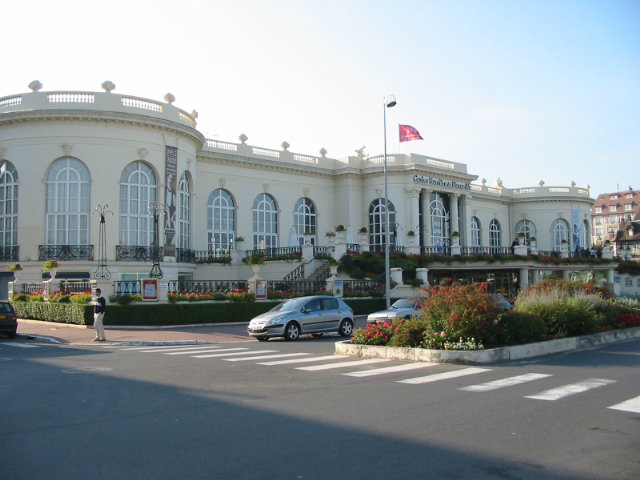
522	90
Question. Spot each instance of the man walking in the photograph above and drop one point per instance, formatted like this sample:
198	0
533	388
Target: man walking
98	314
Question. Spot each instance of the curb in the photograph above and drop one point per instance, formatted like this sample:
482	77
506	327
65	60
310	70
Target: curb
493	355
133	343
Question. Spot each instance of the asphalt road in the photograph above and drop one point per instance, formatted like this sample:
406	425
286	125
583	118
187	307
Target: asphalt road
281	410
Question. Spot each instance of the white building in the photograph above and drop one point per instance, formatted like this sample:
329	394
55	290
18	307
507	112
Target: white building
62	154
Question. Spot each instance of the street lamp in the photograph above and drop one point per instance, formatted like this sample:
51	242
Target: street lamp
389	101
102	271
156	210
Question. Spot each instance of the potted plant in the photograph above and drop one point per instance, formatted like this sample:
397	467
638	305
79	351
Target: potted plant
455	235
16	267
330	234
50	265
340	228
363	231
411	233
239	239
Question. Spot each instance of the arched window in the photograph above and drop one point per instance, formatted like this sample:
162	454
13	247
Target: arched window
559	232
221	221
137	191
495	236
527	227
68	209
475	232
378	222
265	222
8	208
439	223
304	219
585	238
184	212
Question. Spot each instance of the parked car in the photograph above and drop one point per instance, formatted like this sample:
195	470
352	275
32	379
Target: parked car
403	308
8	319
299	316
502	302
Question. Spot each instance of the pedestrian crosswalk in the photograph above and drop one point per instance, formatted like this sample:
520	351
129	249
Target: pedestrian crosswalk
374	367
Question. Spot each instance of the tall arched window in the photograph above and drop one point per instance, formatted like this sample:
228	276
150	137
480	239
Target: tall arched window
439	222
475	232
495	236
304	219
559	232
585	238
377	224
265	222
221	221
137	191
527	227
8	209
68	209
184	212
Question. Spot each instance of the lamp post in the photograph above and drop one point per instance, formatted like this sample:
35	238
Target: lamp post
102	272
156	210
389	101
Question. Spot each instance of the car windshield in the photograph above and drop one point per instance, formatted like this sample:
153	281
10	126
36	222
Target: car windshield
287	305
403	303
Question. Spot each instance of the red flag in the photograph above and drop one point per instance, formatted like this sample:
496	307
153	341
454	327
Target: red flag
408	133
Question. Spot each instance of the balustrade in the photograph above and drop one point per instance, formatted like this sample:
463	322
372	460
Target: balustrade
65	252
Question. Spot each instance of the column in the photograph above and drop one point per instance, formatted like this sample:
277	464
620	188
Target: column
455	223
523	279
426	217
466	213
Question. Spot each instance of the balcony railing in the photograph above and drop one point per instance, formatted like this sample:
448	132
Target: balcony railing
185	255
275	252
65	252
137	253
9	254
211	286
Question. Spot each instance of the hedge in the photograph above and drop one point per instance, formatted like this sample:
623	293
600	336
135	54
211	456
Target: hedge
146	314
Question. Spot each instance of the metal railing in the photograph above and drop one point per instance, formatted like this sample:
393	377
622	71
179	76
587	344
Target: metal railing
297	287
137	253
126	287
211	256
9	254
185	255
267	253
65	252
211	286
75	286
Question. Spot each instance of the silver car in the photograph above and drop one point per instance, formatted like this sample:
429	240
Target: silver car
403	308
298	316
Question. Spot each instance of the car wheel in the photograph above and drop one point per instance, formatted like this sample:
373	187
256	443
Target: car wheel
292	331
262	339
346	328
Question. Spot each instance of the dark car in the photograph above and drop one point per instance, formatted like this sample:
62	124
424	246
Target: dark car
8	319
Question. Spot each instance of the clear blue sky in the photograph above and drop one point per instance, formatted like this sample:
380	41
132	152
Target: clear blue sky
522	90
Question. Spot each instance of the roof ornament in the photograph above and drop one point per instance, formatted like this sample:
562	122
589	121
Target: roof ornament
36	85
108	86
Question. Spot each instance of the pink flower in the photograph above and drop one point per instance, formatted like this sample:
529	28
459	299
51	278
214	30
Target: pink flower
442	334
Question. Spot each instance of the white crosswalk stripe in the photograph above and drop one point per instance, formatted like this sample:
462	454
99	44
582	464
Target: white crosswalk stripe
632	405
175	348
329	366
393	369
243	351
505	382
195	350
572	389
445	375
263	357
303	360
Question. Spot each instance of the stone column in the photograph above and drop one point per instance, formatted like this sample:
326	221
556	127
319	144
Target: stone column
466	212
535	276
610	284
565	274
396	275
426	217
455	223
523	278
413	196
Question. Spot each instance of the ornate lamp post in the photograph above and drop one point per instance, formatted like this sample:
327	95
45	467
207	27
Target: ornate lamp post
389	102
156	210
102	272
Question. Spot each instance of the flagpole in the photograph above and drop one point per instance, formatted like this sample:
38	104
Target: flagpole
389	101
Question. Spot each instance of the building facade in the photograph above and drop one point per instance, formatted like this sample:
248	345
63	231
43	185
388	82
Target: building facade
611	212
71	159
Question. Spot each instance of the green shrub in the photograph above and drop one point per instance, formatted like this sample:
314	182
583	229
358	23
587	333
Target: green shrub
409	332
55	312
515	328
461	312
